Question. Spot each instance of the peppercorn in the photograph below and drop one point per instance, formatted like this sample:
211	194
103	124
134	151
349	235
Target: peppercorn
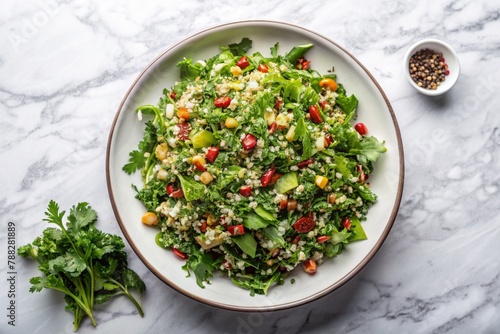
428	68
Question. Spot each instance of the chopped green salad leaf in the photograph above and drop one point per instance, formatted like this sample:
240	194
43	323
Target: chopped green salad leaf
252	166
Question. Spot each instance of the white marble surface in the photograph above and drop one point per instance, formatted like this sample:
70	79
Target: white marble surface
65	66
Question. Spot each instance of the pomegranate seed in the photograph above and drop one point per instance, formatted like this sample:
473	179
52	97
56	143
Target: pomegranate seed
310	266
203	227
272	128
223	220
305	163
267	177
249	141
180	254
346	222
328	140
283	204
177	193
322	238
172	95
245	191
275	179
170	189
447	72
322	104
361	128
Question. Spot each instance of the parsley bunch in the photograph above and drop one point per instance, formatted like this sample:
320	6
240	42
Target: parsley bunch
86	264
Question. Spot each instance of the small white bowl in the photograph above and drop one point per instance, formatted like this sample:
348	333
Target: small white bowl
451	59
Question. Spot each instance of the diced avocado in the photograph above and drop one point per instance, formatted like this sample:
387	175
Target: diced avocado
203	138
264	213
287	182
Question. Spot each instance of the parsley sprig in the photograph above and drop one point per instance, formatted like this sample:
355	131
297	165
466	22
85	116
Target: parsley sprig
87	265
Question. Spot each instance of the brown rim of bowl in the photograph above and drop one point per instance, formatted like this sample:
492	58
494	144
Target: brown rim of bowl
319	294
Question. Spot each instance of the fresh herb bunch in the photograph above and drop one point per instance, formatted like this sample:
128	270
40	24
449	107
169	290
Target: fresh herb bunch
86	264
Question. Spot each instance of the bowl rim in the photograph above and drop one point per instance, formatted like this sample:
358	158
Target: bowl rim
269	308
413	48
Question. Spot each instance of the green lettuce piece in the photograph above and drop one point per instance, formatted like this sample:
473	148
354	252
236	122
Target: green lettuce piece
192	190
246	242
357	230
253	221
302	134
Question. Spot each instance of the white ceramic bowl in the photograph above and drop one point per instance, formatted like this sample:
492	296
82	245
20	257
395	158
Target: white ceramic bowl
374	110
451	59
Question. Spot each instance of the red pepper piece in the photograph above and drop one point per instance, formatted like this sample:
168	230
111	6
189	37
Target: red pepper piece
243	62
315	114
222	102
212	153
236	229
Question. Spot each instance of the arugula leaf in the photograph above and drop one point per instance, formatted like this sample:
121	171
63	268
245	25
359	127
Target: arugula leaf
347	104
302	134
188	70
368	149
202	266
274	50
239	49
